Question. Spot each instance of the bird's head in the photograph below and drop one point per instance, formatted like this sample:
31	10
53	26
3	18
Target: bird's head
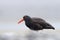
25	18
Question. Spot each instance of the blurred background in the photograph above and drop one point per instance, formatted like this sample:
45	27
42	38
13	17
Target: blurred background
11	11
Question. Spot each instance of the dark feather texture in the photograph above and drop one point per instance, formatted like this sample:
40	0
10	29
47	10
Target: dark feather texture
37	23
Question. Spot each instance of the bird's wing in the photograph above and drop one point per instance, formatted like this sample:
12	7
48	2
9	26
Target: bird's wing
38	20
42	23
37	26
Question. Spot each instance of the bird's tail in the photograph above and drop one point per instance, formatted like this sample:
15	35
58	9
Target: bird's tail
48	26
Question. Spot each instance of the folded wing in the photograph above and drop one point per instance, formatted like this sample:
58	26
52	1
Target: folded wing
42	23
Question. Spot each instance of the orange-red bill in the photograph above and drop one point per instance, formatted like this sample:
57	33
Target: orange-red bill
21	21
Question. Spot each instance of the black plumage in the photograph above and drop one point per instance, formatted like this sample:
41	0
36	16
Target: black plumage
36	23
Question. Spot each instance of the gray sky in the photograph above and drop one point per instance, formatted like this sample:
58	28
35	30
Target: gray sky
12	10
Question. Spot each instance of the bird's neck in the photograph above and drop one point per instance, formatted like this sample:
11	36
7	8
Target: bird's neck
28	21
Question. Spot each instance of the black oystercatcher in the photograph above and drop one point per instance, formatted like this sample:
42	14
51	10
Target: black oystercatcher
36	23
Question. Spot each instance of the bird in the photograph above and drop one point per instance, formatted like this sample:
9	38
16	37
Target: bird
35	23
